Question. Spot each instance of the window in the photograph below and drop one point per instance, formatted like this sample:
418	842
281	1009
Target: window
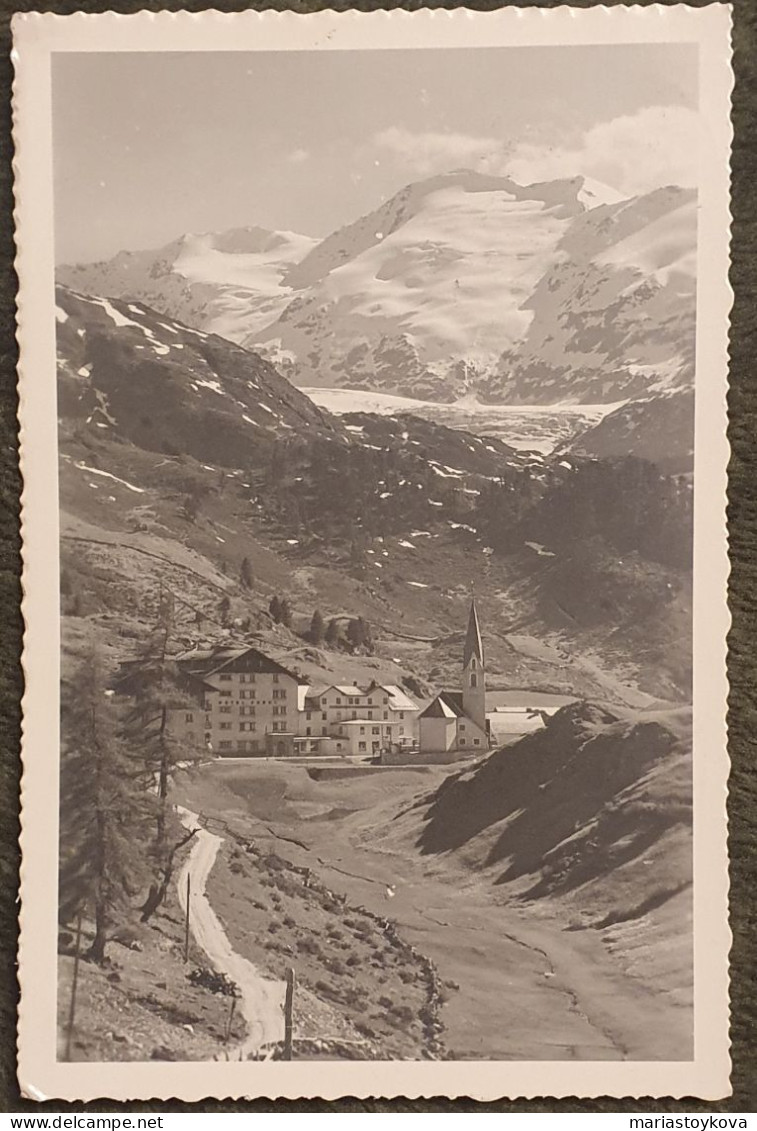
386	714
308	715
279	693
402	714
370	714
375	730
275	679
225	745
247	711
354	714
308	731
361	746
473	680
385	702
323	702
476	741
225	676
225	710
324	716
462	726
189	717
463	741
225	726
224	691
338	701
401	730
247	726
362	730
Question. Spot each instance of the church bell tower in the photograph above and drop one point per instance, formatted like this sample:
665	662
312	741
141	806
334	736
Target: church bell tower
474	672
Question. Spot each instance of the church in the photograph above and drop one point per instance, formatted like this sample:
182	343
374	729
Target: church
455	721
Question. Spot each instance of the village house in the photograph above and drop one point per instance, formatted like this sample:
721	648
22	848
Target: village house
348	719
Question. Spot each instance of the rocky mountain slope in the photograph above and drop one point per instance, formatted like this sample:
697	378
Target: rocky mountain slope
459	284
659	429
183	454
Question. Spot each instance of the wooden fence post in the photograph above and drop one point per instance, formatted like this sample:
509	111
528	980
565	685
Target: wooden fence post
186	921
74	981
231	1018
288	1014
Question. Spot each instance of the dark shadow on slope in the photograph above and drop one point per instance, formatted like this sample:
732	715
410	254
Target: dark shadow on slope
577	799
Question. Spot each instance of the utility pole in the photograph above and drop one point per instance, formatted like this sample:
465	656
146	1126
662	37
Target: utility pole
288	1014
186	921
74	981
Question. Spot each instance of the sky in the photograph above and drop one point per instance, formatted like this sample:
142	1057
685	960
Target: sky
150	145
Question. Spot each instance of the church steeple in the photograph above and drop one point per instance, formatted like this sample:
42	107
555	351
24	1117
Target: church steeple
473	645
474	671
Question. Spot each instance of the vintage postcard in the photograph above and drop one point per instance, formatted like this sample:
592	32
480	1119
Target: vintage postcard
373	385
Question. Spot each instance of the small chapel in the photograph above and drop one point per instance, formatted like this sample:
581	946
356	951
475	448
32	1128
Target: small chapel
455	721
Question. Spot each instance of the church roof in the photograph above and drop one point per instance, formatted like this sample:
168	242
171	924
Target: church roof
447	705
473	645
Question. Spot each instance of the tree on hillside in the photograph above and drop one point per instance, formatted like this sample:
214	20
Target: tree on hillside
224	608
274	608
156	687
317	631
106	814
245	573
359	635
286	613
332	633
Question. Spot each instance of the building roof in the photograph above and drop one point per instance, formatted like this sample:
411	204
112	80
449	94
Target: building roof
473	644
446	705
398	699
208	661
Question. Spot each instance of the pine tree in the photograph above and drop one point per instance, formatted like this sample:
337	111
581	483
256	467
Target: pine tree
245	573
286	613
317	631
224	608
274	608
106	812
355	633
332	633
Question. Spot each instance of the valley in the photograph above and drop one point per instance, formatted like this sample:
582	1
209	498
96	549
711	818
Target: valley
528	903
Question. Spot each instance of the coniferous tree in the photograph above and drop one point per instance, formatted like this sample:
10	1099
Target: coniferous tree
286	613
156	688
332	633
317	630
245	573
224	608
106	813
274	608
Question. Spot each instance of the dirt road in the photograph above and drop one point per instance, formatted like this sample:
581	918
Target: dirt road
261	1000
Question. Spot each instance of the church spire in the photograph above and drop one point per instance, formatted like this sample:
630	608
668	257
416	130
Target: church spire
473	645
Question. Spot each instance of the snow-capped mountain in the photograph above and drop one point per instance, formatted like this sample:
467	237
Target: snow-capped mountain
459	285
228	284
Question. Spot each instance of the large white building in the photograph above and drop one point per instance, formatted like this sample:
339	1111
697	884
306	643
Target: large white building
242	703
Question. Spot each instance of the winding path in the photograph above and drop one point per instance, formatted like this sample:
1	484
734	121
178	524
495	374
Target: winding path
261	999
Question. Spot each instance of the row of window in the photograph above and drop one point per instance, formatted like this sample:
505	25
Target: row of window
244	677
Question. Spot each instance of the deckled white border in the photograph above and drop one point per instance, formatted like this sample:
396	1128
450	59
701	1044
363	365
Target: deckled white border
35	37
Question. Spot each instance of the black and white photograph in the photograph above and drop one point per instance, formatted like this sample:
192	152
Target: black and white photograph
377	387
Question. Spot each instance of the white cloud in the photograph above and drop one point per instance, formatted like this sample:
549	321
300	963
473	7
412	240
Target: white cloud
634	153
431	152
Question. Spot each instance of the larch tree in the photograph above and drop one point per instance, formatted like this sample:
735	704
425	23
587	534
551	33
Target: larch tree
106	814
156	687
